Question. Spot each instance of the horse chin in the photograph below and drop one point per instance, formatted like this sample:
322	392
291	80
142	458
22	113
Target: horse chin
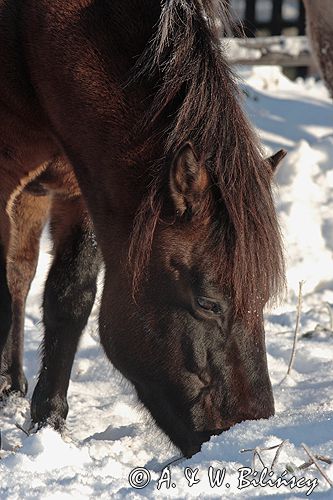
195	446
190	439
197	439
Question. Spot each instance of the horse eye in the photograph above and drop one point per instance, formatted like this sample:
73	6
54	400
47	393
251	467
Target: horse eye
209	305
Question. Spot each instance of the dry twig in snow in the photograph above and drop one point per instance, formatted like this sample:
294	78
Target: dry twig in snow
319	467
297	326
277	454
321	458
256	453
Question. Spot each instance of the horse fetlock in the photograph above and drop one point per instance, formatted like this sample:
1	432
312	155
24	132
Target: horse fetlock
46	410
19	384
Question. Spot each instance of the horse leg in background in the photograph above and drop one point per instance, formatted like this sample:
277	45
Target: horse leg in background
19	255
5	299
319	20
68	299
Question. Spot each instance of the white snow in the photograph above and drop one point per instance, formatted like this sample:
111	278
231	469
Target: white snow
109	433
253	49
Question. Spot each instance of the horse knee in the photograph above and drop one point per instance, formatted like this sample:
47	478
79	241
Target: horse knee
71	289
69	308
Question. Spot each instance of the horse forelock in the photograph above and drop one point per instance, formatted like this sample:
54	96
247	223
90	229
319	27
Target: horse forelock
197	88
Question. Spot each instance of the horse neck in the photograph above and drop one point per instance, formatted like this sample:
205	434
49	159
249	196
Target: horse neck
134	24
127	151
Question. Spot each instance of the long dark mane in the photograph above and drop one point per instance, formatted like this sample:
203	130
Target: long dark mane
197	85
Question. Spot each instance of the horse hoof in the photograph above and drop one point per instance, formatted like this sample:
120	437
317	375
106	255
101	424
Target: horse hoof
55	421
19	385
13	385
48	411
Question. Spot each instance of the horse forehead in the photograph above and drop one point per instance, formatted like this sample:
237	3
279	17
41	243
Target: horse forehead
184	239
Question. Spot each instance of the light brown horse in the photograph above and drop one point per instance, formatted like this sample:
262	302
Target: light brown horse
137	98
53	194
319	17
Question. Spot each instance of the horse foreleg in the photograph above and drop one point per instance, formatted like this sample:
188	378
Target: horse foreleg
18	266
68	299
5	319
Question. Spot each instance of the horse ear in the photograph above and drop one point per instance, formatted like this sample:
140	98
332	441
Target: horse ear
276	159
188	180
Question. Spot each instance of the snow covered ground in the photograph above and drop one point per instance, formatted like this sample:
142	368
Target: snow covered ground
109	433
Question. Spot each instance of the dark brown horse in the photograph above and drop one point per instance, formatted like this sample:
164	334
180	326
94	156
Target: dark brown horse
139	99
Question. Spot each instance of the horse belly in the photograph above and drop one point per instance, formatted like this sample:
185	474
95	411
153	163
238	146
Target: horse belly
25	143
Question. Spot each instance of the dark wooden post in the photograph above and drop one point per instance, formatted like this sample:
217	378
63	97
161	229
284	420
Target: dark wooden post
301	19
250	18
276	23
302	71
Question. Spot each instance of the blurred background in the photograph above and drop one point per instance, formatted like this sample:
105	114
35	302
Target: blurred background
266	18
270	17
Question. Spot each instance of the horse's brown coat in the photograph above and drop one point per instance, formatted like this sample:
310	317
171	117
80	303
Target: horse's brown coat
319	16
189	236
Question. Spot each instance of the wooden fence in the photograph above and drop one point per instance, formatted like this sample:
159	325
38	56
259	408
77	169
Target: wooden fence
286	17
286	51
277	23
